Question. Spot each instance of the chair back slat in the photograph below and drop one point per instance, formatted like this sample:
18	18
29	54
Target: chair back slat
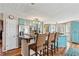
51	37
40	40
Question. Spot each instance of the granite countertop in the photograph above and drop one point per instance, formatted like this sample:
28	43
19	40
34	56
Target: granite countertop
62	35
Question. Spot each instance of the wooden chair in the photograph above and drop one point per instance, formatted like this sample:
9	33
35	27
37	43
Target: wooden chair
51	43
39	45
57	34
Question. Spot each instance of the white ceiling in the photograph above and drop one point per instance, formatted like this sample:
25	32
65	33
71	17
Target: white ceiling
48	12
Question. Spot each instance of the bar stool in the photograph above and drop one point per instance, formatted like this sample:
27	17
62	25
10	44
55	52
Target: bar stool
39	46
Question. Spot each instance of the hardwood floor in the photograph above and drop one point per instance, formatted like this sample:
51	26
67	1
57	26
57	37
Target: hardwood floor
17	52
60	52
0	49
14	52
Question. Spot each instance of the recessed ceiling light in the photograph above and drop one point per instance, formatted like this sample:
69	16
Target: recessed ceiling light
32	3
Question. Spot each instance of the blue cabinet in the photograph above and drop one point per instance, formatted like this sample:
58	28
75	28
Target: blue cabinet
21	21
75	31
62	41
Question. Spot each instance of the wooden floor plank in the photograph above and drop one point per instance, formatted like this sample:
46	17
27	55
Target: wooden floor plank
17	52
14	52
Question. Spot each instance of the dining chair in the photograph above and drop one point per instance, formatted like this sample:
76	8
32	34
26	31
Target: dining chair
39	46
51	43
56	41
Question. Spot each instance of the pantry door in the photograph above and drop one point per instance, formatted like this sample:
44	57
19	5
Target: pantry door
11	34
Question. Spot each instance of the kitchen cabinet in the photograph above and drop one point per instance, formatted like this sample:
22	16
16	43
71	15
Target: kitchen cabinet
75	31
72	31
62	41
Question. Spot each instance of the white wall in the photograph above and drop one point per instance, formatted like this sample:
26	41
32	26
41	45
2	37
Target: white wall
6	13
5	17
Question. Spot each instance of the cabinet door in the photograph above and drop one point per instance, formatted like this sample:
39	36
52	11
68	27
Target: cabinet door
75	31
62	41
21	21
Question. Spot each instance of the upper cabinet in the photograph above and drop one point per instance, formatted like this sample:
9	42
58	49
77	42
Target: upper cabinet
21	21
33	25
24	26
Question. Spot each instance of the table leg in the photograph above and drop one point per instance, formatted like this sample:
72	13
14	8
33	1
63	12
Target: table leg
24	48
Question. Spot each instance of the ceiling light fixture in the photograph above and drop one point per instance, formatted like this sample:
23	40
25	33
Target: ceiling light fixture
32	3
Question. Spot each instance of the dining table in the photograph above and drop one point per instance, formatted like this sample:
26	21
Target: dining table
25	42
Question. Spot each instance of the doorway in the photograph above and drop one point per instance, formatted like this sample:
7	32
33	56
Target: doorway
1	31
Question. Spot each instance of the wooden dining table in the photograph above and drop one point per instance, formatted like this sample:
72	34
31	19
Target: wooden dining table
25	42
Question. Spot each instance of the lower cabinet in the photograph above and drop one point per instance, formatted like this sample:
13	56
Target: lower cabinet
62	42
